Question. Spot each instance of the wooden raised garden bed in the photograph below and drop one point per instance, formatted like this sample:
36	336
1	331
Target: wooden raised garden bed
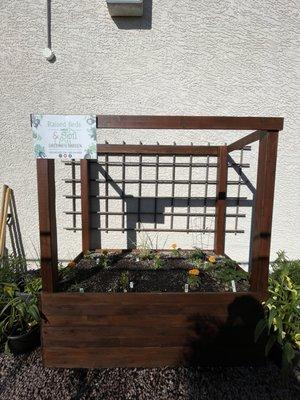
139	328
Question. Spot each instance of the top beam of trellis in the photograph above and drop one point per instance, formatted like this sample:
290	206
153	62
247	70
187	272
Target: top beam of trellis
188	122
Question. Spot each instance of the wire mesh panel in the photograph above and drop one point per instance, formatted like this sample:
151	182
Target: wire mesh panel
144	192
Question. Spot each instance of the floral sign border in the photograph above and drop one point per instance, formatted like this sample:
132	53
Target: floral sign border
64	137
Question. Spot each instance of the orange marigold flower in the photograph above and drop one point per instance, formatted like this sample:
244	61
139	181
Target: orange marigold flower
72	264
174	246
194	272
212	259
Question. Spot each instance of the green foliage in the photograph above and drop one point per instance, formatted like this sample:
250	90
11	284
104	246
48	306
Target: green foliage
145	248
282	320
88	255
66	273
227	273
12	268
225	269
158	262
193	281
19	311
124	280
197	255
288	267
103	259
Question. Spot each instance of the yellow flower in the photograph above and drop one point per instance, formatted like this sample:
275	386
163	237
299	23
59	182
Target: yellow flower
72	264
174	246
8	290
194	272
212	259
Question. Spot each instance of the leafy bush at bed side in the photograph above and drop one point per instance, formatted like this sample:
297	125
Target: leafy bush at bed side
282	319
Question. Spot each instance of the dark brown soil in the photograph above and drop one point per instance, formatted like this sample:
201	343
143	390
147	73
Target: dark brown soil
128	273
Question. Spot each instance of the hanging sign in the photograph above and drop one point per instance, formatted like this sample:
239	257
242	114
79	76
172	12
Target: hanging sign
64	137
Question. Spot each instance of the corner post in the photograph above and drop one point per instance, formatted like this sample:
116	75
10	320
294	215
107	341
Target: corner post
263	212
85	204
221	196
47	222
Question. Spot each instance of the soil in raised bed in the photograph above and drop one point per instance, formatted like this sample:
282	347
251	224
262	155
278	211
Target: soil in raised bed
172	276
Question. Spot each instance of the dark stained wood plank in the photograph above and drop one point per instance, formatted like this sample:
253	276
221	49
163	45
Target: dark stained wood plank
113	357
114	336
198	298
263	211
221	198
132	320
47	223
241	143
188	122
85	204
161	149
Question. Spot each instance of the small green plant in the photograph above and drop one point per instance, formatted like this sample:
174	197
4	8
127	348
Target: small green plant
282	319
175	251
88	255
68	272
193	281
103	259
226	273
124	280
12	268
197	255
158	262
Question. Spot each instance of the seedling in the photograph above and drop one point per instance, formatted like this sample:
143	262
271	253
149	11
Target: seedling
124	280
175	250
198	255
157	261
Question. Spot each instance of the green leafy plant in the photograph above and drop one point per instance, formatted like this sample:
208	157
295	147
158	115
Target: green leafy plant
88	255
12	268
19	311
175	250
289	267
158	262
103	259
227	273
197	255
282	319
193	281
124	280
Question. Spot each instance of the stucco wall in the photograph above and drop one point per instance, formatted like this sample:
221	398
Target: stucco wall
189	57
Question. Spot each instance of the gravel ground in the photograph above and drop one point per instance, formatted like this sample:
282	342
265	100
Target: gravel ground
24	378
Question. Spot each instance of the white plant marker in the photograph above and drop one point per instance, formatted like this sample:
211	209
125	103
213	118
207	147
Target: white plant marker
81	290
186	288
233	286
131	284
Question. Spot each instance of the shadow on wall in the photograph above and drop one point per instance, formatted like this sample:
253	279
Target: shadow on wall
138	210
144	22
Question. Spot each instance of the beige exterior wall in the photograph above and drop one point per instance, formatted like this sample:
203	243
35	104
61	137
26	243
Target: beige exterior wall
184	57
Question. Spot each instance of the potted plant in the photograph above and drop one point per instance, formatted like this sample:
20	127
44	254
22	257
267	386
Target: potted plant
282	320
20	317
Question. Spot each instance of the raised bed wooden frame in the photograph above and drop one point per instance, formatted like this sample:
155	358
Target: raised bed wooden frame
149	329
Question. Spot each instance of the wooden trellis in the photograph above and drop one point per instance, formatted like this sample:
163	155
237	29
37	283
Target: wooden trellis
265	130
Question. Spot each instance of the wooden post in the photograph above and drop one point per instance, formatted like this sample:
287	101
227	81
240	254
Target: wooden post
220	219
263	210
47	218
85	204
